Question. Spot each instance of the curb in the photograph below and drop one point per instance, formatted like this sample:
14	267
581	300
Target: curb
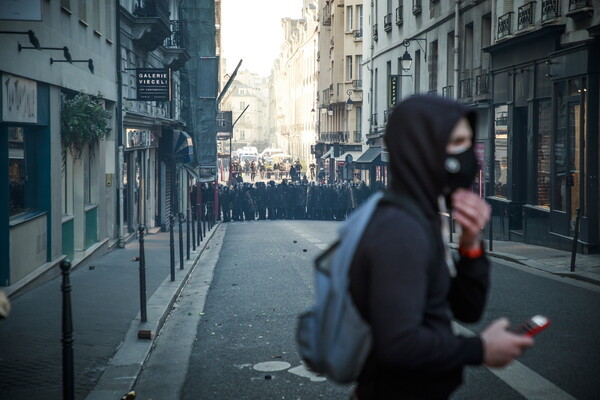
525	261
126	364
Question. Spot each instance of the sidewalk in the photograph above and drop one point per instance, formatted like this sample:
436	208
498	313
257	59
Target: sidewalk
105	299
558	262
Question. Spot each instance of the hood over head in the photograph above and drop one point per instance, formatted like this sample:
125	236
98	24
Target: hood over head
416	136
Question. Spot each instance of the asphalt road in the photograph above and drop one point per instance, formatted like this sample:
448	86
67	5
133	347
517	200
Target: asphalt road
239	343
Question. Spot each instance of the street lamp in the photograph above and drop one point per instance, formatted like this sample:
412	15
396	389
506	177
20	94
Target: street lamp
330	110
349	102
406	60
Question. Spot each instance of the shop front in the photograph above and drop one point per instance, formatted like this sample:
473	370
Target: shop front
544	136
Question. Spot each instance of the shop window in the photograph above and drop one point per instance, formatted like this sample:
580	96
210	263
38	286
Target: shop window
543	153
501	133
22	171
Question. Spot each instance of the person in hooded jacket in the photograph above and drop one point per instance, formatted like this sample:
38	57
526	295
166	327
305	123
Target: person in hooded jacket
408	297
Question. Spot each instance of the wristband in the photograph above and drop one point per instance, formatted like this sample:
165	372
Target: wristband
471	253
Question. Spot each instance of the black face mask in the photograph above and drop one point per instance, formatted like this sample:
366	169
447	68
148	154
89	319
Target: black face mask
461	169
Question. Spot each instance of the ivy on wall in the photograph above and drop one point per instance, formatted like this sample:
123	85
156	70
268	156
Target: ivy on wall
84	122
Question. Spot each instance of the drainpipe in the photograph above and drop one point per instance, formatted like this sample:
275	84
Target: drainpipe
456	46
119	130
371	102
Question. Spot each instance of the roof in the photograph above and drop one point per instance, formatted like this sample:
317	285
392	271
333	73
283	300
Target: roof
355	155
370	155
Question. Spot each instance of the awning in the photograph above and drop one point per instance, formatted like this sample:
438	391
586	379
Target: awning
327	154
370	155
349	156
184	147
192	171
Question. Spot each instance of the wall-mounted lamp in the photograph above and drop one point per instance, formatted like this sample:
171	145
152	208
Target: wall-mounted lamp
406	60
65	50
90	63
32	39
330	110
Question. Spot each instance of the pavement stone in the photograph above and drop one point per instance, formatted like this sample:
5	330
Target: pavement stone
105	307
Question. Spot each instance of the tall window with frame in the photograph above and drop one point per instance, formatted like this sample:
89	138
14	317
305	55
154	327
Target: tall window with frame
433	66
417	71
359	17
349	19
22	171
544	137
349	68
501	135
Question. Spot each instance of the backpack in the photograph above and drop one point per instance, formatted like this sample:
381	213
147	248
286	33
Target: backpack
333	339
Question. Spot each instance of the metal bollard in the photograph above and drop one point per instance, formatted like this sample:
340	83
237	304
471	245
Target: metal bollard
141	230
172	246
199	220
193	233
187	235
575	238
204	222
67	334
180	241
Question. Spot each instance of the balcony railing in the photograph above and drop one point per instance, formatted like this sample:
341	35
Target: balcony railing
326	15
526	16
433	91
505	25
357	84
387	23
550	10
465	89
357	136
416	7
399	15
375	33
373	119
448	91
575	5
358	34
334	137
176	40
482	85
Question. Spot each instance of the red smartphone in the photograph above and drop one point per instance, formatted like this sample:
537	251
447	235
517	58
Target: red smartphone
533	326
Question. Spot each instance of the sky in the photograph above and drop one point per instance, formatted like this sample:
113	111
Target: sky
251	30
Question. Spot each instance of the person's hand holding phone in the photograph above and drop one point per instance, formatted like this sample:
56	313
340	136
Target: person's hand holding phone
500	346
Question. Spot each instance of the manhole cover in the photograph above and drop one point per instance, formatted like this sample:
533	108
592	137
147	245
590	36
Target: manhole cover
271	366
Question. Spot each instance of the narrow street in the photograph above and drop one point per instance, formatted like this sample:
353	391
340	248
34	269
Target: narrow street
239	343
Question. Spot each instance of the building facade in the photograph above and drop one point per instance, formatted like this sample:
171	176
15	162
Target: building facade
340	88
293	85
248	90
52	205
530	70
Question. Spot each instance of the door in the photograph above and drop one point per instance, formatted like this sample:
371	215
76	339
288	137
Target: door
568	166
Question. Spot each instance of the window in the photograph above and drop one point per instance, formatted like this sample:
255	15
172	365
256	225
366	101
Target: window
349	19
359	74
501	133
83	10
450	58
388	79
108	18
95	17
242	105
22	171
359	15
486	40
468	61
433	66
349	68
543	153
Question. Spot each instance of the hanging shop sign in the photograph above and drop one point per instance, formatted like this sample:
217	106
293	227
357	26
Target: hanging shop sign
394	92
153	84
19	99
140	139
